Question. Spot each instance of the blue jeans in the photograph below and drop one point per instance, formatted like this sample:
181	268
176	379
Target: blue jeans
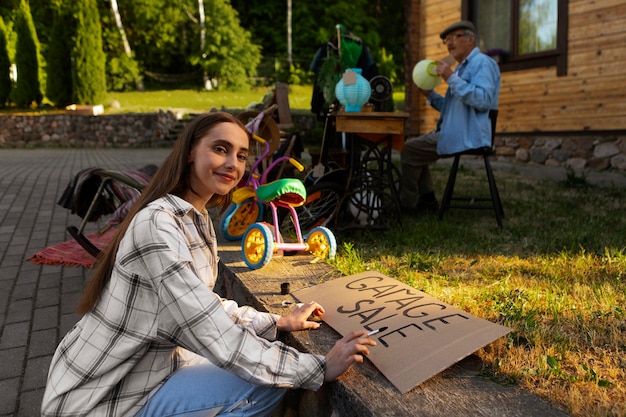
206	390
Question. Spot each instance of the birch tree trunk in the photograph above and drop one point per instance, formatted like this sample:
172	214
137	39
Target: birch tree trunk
205	77
120	28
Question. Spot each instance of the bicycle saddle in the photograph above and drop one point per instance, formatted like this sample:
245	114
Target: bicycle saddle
288	191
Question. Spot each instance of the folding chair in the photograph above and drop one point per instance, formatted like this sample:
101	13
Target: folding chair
475	203
97	192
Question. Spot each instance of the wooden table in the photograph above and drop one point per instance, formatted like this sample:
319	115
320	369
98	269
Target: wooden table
374	126
372	191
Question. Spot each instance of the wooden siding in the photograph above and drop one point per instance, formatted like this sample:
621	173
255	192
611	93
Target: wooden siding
590	98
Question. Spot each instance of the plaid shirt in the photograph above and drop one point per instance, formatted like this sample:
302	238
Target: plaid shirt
157	314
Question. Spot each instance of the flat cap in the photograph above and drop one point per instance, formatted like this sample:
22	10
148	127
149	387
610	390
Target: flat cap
463	24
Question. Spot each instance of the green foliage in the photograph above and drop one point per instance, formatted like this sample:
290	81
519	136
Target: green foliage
88	70
165	40
387	67
160	32
41	11
229	57
28	86
314	24
59	81
5	66
329	75
295	76
122	73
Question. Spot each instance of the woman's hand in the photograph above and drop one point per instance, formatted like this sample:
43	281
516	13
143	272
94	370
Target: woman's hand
346	352
298	318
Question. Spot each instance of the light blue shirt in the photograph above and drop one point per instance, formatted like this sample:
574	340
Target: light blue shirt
473	90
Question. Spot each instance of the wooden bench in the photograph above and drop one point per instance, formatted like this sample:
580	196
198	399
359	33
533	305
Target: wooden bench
363	391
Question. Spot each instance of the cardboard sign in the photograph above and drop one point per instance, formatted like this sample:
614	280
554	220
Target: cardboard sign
423	335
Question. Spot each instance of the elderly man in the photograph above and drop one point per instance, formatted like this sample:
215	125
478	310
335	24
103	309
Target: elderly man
473	88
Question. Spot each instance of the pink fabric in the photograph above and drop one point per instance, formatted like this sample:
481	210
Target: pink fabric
70	253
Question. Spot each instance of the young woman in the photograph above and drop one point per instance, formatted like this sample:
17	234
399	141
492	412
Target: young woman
154	339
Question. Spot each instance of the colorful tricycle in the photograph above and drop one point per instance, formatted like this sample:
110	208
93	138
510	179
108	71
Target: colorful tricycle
261	240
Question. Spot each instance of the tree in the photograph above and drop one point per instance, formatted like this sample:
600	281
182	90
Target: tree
5	66
28	86
88	59
161	31
314	24
59	68
127	65
229	56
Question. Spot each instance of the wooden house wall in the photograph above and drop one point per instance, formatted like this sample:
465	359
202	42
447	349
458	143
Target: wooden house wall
590	98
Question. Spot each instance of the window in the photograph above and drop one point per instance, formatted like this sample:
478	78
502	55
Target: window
524	33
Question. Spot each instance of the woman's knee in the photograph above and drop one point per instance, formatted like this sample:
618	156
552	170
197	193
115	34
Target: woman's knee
213	391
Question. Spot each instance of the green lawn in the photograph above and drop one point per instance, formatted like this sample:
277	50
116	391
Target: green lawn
555	274
196	101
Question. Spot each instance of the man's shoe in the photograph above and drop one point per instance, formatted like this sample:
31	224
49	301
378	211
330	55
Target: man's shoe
430	206
408	211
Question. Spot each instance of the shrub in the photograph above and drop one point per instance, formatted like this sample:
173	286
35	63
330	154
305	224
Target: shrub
5	65
28	86
59	82
88	69
122	73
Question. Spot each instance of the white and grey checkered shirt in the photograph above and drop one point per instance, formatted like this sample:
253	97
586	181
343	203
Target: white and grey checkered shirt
157	313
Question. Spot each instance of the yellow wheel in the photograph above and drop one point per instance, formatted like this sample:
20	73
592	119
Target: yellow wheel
321	242
257	246
238	217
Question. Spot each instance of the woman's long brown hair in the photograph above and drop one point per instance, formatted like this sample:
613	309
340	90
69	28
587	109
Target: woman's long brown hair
171	178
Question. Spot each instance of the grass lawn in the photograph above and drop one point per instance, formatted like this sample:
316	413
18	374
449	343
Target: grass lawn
195	101
555	274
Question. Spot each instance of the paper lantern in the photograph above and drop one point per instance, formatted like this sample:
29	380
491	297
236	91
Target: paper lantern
425	74
353	90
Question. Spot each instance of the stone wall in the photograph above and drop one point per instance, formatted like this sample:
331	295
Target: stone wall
576	153
160	129
67	129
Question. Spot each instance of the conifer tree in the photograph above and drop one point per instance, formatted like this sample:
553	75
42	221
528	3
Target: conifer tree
88	58
59	81
28	86
5	66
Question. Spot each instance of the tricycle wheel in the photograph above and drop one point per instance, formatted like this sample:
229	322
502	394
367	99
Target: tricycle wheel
238	217
257	246
322	243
